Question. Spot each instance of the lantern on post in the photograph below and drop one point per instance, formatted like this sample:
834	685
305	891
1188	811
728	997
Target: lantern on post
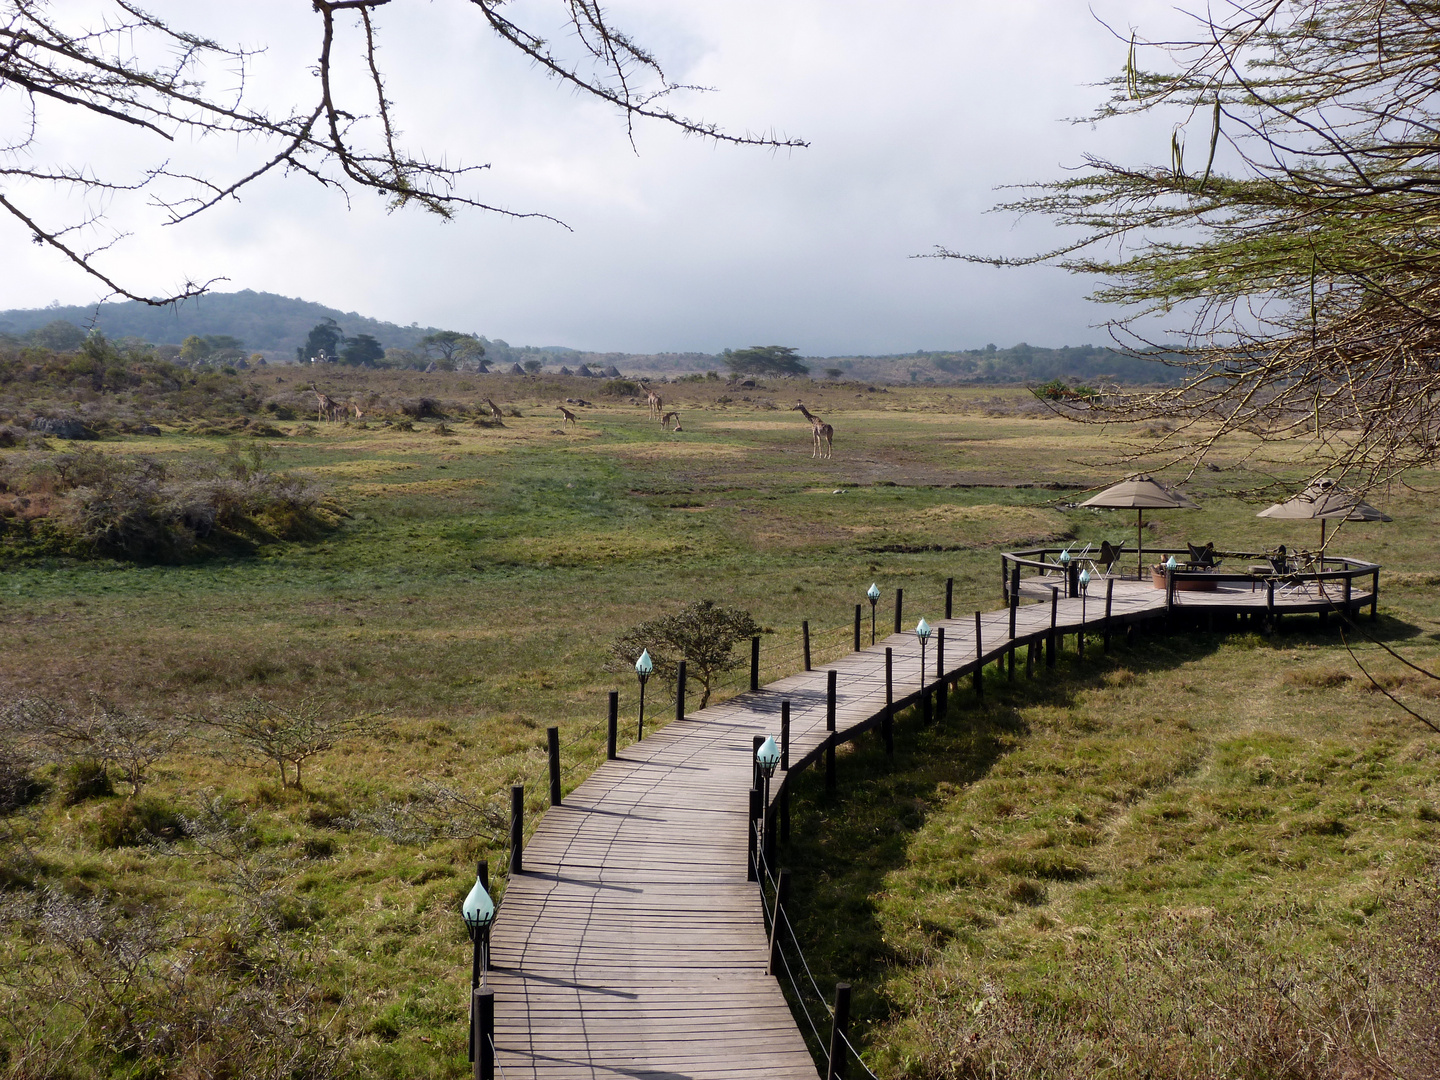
478	911
643	667
922	631
873	595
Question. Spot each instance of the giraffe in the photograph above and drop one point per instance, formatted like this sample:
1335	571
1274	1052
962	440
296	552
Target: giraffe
325	405
569	416
822	431
355	408
653	400
495	413
671	416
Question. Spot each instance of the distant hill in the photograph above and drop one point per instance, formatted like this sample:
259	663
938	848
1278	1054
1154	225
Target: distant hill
1018	364
277	325
265	322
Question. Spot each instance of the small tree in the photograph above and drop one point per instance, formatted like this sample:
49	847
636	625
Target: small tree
362	350
286	737
324	338
702	634
532	366
764	360
110	737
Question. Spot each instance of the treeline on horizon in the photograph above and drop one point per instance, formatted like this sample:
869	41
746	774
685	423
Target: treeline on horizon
244	323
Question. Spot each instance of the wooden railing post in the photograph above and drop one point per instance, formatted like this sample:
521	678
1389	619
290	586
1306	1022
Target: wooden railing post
1050	643
755	665
782	901
949	595
805	634
1347	596
756	741
830	697
839	1032
979	676
1014	598
830	761
857	627
1270	616
1375	595
1005	579
680	692
552	747
1109	601
752	868
517	829
1072	581
484	1054
942	696
612	725
785	768
899	604
887	724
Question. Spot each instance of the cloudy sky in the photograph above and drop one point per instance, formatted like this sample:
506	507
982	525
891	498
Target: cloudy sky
915	112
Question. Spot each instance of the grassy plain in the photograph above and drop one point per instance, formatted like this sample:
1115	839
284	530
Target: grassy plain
998	889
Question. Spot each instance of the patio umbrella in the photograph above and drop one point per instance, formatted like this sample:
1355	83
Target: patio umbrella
1328	501
1141	493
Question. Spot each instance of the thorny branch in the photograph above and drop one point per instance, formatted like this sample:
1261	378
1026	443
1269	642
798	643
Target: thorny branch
344	138
1303	261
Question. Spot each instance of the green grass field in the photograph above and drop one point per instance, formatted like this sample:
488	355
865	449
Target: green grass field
1084	876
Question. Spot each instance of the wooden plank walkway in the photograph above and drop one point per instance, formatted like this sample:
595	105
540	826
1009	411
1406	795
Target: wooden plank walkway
632	945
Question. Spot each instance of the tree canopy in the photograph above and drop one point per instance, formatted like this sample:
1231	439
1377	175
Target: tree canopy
764	360
452	347
703	634
166	85
1297	248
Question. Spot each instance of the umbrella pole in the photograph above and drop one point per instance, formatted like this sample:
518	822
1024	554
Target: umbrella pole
1140	543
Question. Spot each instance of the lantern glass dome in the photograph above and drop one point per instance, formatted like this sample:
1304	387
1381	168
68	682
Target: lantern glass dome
1170	563
1084	578
1065	557
922	630
478	909
644	666
768	756
873	592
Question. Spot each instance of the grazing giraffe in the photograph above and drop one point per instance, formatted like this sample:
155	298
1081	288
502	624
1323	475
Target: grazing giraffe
655	403
671	416
569	416
822	431
325	405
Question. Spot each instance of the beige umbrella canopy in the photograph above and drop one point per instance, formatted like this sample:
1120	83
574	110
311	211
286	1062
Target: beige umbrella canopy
1141	493
1327	500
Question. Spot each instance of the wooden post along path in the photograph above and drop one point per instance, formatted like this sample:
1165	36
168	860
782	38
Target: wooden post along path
629	942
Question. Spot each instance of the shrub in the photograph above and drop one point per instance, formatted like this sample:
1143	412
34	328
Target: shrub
135	822
620	388
703	634
85	778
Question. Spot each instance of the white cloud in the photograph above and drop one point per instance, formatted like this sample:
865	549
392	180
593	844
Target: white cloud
916	110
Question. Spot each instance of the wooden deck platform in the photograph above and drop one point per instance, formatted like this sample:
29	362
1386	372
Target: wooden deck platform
632	945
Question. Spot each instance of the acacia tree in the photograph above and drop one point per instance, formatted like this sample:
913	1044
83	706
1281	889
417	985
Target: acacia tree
703	634
117	64
1299	248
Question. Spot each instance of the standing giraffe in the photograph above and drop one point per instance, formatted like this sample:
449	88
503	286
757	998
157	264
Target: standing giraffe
655	403
355	408
325	405
569	416
495	413
822	431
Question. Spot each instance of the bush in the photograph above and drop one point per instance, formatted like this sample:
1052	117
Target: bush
85	779
132	823
620	388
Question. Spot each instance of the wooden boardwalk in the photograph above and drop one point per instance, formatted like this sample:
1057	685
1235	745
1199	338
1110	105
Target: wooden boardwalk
632	945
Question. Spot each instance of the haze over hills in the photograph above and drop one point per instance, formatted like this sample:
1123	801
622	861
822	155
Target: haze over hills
276	325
